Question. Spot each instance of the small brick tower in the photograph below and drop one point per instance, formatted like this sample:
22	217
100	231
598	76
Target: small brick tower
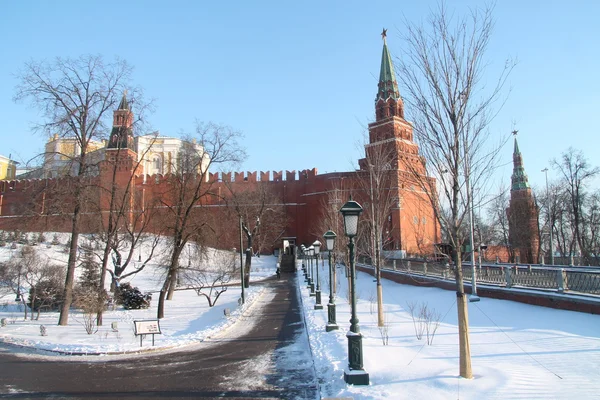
522	213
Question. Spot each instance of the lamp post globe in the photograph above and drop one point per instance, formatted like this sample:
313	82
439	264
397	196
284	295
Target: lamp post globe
329	237
355	374
351	211
318	305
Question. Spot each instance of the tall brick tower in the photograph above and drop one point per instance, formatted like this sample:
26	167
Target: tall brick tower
412	225
121	136
522	213
120	160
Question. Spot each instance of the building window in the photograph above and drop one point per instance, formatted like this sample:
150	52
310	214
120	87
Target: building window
416	220
423	220
156	164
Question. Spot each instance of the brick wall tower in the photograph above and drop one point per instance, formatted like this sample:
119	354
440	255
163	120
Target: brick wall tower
412	224
121	136
522	213
120	160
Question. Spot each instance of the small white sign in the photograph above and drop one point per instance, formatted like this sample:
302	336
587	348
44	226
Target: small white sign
147	327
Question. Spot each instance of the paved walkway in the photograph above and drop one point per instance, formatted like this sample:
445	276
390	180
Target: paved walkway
265	355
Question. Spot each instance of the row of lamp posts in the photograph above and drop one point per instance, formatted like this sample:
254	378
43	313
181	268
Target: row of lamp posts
355	374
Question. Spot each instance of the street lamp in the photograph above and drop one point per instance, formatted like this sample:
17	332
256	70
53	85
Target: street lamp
243	299
303	252
474	297
308	272
311	273
545	170
257	236
331	322
482	247
317	246
356	374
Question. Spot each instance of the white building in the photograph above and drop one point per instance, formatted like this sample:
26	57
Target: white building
162	154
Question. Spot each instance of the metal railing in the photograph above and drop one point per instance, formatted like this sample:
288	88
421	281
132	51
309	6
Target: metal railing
577	280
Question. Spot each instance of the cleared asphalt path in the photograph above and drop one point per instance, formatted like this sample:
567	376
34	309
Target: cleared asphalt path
265	355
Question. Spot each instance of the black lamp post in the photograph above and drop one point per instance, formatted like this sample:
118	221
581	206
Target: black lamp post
308	272
303	252
356	374
243	296
318	305
311	272
331	322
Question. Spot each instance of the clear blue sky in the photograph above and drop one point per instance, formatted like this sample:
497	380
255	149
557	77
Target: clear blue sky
299	78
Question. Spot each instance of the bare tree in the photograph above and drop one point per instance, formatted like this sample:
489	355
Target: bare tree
262	215
593	225
377	183
576	172
75	96
185	218
127	217
441	72
331	219
29	268
209	273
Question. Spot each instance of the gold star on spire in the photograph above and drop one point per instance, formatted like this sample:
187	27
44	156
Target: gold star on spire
384	34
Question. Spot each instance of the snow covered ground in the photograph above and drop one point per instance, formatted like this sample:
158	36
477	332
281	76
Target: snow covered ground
188	318
518	351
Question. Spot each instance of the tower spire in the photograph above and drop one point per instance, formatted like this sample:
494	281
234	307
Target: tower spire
124	105
388	87
519	177
388	102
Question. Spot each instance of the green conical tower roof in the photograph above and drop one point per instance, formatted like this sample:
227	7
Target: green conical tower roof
519	177
124	105
388	87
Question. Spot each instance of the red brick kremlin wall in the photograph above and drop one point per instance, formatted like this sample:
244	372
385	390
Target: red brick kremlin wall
45	204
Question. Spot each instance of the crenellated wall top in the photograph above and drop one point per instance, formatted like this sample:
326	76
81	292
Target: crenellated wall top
157	179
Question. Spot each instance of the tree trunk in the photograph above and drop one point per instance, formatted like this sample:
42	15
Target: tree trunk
105	256
171	279
68	291
463	336
380	314
172	285
247	265
161	299
463	322
32	304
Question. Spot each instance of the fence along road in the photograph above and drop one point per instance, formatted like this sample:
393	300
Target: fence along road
572	285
